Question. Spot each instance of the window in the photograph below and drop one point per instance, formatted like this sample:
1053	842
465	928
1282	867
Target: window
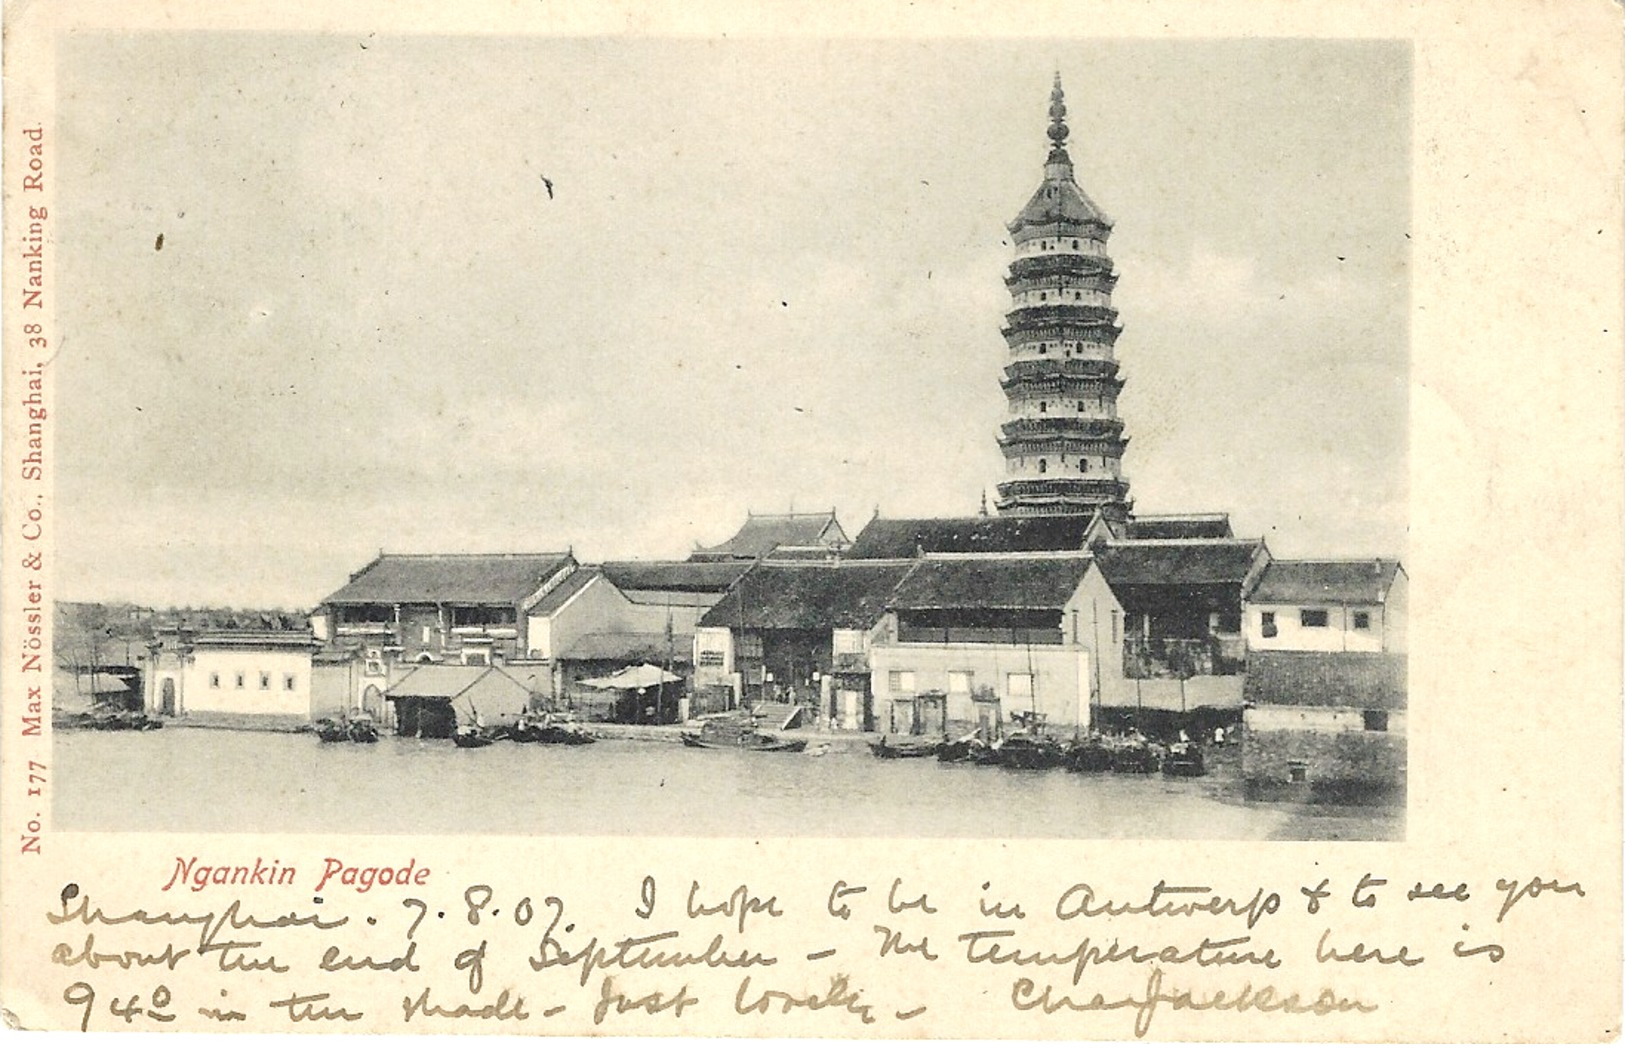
1020	685
214	680
1043	466
1043	349
960	681
1043	406
374	668
1080	405
239	680
482	616
1312	618
476	658
1266	622
265	681
1297	771
1362	620
901	680
428	634
1376	720
1074	245
287	682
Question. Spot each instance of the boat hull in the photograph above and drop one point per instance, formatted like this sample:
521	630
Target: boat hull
755	743
892	751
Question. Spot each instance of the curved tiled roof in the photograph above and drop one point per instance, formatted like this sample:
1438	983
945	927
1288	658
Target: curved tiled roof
681	575
905	537
1006	583
1325	581
474	578
761	534
809	595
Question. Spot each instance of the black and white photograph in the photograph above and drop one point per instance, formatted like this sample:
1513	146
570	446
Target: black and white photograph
1041	522
962	439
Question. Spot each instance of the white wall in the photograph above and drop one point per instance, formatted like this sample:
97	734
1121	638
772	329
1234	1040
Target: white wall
1329	719
209	684
1061	678
709	643
1338	634
1396	624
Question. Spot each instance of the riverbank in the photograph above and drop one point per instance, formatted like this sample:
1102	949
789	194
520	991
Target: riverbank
638	781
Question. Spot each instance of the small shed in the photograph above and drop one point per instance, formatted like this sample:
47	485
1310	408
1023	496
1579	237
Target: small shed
432	701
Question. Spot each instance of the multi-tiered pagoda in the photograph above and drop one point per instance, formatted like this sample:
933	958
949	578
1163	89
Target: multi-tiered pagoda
1063	446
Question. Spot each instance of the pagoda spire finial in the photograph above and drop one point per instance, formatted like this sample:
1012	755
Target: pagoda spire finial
1057	123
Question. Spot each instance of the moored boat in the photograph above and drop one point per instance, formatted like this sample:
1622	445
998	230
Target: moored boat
1090	754
1184	760
1029	753
548	731
329	730
1135	757
723	735
471	739
967	750
564	735
885	749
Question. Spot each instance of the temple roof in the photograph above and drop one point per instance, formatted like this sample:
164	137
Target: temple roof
473	578
762	534
907	537
809	595
680	575
1179	526
1179	562
1044	583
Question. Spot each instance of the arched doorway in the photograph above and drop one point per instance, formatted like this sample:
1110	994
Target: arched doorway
166	703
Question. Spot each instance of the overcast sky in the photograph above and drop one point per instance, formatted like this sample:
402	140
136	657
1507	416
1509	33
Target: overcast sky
770	273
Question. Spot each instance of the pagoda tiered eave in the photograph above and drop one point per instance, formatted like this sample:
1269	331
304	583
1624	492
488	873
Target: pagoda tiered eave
1031	266
1052	491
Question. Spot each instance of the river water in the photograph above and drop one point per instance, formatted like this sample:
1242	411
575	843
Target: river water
218	781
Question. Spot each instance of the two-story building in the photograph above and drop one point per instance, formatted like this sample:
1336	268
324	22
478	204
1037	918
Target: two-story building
797	632
1182	607
970	639
470	609
1329	605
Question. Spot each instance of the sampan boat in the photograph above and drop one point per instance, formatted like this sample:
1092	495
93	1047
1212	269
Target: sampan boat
886	749
717	735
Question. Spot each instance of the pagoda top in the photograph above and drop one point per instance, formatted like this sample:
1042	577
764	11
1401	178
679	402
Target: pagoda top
1059	202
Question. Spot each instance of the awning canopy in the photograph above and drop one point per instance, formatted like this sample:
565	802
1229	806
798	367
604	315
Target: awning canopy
633	678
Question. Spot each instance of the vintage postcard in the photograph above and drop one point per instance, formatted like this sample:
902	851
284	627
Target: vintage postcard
1041	522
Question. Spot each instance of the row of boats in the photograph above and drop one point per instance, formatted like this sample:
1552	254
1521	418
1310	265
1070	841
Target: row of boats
1129	754
543	730
106	717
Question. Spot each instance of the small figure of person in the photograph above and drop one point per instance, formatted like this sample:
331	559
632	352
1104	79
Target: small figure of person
1218	736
